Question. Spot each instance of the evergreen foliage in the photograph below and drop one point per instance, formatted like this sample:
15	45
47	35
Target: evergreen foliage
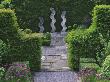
90	43
22	48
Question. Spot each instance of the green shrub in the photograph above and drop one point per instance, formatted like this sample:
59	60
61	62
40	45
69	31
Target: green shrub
6	4
31	47
8	25
101	21
75	26
46	39
90	43
105	70
107	48
28	31
2	72
89	65
26	49
3	48
87	60
1	6
90	78
23	47
81	45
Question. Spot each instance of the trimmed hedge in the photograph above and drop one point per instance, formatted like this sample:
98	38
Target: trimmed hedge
80	44
22	47
84	43
8	26
26	49
45	38
3	49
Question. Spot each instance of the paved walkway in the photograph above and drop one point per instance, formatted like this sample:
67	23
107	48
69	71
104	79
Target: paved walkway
55	56
54	62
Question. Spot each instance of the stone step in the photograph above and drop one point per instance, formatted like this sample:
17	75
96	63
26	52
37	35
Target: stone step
54	63
63	69
54	57
59	34
55	47
55	54
56	50
57	39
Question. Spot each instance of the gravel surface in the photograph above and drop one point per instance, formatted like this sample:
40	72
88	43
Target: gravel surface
67	76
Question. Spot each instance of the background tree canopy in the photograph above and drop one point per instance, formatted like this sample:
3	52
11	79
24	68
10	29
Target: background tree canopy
28	12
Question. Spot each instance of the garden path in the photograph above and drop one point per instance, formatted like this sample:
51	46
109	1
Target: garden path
54	62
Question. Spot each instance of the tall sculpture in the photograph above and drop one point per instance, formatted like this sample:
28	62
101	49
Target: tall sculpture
41	24
64	21
52	24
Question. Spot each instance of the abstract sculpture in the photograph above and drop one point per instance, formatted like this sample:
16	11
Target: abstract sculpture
41	24
53	19
64	21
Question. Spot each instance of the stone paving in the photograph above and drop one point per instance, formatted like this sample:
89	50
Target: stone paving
54	62
54	57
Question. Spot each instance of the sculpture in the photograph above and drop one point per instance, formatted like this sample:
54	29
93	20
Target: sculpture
41	24
53	19
64	21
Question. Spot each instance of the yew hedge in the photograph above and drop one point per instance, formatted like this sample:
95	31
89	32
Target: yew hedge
22	48
91	42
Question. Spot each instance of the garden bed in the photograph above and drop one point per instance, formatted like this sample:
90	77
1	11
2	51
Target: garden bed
91	75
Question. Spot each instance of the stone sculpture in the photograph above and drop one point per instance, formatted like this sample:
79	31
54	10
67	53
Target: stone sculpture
41	24
64	21
52	24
